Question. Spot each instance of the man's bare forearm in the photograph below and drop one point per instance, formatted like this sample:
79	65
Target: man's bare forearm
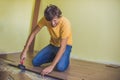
60	52
30	38
58	56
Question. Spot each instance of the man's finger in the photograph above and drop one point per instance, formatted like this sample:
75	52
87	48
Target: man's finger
42	73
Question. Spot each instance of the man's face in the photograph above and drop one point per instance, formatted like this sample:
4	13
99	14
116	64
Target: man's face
54	21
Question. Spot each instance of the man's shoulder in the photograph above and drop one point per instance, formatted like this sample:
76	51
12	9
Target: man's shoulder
64	19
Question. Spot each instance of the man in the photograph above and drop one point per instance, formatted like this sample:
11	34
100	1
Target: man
58	51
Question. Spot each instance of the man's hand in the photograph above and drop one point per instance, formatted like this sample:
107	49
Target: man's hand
47	70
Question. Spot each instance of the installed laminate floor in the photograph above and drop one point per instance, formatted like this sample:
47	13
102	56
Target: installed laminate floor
78	69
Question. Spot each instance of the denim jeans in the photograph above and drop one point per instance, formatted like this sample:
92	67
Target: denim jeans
47	55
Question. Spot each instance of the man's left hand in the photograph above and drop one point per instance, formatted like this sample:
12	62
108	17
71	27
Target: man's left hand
47	70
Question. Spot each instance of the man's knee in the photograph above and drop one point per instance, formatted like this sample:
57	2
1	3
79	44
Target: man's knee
61	68
35	63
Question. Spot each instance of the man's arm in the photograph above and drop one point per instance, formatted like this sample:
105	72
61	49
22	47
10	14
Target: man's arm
29	40
57	57
60	52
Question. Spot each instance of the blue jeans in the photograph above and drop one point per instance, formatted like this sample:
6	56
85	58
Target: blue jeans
47	55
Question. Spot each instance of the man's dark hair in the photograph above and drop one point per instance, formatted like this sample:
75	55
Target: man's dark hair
51	11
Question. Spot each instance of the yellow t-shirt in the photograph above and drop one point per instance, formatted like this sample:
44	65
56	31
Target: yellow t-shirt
61	31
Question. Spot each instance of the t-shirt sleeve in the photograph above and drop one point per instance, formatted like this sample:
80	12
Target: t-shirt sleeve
65	31
42	22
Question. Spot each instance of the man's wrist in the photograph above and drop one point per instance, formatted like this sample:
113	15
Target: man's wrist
52	65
